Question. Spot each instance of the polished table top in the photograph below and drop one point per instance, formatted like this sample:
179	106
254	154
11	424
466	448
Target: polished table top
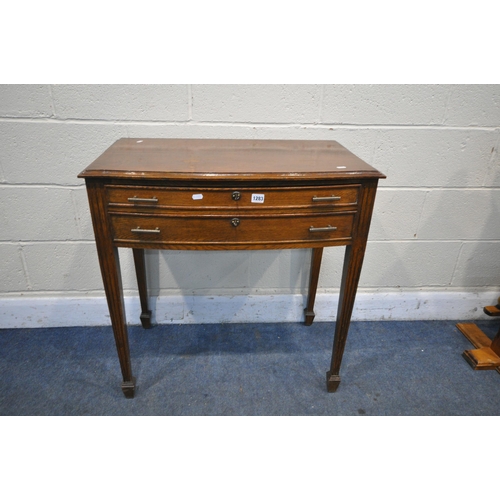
229	159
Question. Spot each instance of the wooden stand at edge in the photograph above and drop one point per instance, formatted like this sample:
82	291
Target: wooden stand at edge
486	355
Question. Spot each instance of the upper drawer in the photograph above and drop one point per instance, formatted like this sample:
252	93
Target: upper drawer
131	198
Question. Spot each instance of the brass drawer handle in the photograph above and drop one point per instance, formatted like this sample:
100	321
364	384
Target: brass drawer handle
326	198
235	222
154	199
313	229
138	229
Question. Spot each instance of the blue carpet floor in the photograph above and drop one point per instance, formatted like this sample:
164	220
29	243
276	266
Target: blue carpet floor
389	368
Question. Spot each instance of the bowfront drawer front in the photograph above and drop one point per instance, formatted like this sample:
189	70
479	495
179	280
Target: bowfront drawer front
225	232
159	199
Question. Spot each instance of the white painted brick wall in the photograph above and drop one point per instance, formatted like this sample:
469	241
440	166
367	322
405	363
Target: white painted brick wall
121	102
31	101
384	104
436	223
13	277
257	103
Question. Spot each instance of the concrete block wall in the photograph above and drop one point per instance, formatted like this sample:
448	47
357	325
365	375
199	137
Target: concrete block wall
435	236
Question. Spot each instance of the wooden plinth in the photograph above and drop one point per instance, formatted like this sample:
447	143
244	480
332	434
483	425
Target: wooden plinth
483	357
492	310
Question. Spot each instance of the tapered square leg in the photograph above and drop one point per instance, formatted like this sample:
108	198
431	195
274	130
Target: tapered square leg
353	261
140	271
317	254
111	276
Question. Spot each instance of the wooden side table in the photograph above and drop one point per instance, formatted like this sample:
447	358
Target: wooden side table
204	194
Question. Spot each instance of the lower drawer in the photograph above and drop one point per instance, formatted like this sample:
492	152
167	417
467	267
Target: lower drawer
212	230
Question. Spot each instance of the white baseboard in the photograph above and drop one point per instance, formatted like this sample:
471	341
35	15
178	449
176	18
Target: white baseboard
22	312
